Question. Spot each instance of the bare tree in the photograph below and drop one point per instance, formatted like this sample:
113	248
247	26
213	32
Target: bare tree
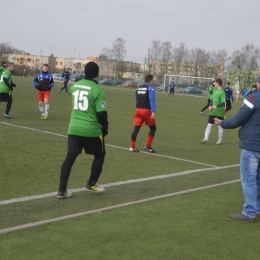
154	54
165	58
179	55
217	60
118	49
198	62
243	66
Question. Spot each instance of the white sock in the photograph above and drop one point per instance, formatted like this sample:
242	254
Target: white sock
41	110
220	133
46	109
207	131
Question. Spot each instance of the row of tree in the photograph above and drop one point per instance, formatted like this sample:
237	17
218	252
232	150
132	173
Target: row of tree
163	58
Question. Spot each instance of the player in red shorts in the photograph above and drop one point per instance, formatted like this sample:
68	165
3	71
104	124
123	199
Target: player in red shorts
145	112
44	83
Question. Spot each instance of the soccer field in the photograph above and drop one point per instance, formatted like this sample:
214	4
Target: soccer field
174	204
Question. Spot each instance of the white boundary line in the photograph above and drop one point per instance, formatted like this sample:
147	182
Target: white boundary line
100	210
52	194
154	154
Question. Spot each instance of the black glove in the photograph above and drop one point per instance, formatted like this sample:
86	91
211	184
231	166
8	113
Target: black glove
233	100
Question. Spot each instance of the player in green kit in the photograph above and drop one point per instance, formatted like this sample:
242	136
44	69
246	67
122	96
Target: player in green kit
6	87
211	90
87	129
216	108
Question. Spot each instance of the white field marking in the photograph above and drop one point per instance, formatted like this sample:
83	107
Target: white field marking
154	154
158	177
100	210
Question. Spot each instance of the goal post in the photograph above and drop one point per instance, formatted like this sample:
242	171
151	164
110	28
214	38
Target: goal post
182	81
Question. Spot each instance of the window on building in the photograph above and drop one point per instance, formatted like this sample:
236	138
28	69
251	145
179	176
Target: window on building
61	63
57	63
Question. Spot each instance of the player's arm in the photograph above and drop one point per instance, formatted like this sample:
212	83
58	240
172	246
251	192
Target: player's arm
103	121
51	81
241	117
102	113
36	81
5	79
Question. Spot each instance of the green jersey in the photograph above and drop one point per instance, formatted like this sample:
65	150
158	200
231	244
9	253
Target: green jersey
88	98
7	75
218	97
211	90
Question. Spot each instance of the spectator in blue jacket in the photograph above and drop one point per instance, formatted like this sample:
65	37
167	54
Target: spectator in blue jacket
172	87
229	97
65	77
250	91
248	118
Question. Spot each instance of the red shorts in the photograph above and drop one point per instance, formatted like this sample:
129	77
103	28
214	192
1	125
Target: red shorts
143	115
43	94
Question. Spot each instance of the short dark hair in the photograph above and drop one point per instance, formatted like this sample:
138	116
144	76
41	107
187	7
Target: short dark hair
148	78
254	86
4	63
8	63
219	81
45	64
228	83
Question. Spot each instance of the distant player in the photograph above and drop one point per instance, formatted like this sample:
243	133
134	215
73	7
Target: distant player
44	83
211	89
216	108
229	97
65	77
6	88
172	87
144	113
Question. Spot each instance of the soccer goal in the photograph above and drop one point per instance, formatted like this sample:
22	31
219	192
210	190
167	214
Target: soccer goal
183	82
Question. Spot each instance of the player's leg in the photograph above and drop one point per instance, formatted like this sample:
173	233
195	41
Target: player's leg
40	102
66	87
46	103
133	138
74	149
138	122
220	132
95	146
208	130
150	137
7	97
204	108
152	125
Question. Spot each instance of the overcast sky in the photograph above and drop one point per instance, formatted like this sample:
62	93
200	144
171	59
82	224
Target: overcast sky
86	27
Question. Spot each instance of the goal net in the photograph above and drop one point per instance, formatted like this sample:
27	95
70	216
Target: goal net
186	81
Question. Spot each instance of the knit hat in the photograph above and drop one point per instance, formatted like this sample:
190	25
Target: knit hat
258	79
91	70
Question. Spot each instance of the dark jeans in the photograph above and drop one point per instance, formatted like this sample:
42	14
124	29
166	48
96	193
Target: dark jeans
65	86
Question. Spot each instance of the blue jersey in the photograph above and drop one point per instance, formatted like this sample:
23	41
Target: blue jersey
229	93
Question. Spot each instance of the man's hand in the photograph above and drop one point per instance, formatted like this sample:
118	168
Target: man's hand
153	115
212	108
217	121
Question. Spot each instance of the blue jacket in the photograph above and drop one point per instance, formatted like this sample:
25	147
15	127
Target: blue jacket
172	85
248	117
43	81
66	76
229	93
